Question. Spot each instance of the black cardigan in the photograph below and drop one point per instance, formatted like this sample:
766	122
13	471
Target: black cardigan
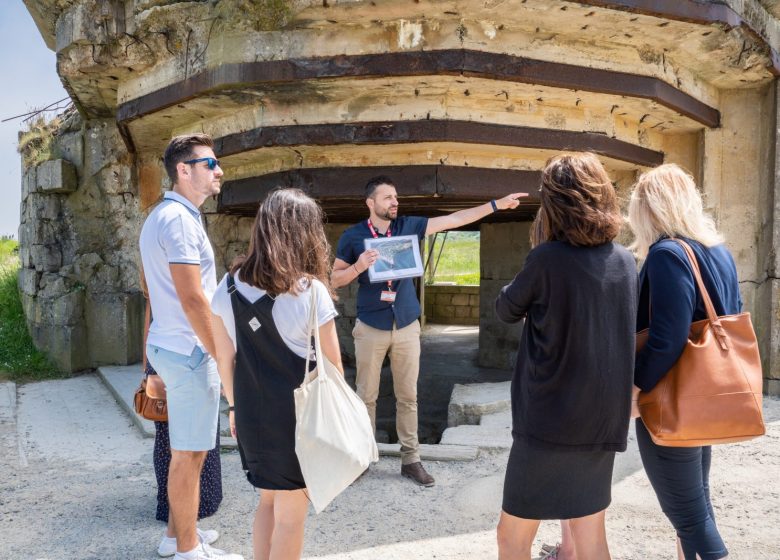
572	384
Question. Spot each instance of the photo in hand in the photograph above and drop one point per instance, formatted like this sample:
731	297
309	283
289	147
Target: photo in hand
399	257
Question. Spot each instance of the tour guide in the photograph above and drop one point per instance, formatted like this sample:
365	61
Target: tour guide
387	312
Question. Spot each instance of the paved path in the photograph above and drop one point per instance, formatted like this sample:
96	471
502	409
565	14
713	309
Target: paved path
77	483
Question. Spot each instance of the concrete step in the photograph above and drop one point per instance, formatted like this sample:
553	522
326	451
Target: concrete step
429	452
469	403
484	437
122	382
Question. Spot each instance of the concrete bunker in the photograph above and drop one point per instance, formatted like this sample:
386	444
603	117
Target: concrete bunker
460	102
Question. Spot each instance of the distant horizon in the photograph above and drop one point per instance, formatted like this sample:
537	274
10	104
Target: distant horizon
32	66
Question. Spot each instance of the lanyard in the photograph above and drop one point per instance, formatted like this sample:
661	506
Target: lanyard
375	235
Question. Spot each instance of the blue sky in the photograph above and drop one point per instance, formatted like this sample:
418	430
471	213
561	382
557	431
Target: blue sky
30	81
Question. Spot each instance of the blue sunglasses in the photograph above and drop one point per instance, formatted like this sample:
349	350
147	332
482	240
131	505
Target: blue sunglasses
211	163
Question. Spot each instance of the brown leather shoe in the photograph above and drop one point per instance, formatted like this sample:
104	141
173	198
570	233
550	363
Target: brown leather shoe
416	472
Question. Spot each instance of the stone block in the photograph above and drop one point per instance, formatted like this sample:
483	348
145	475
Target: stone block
114	324
444	311
209	206
65	345
443	298
65	310
115	179
474	299
460	299
84	266
29	182
24	256
28	281
502	249
487	438
772	387
103	146
474	312
43	207
46	258
70	147
470	402
462	311
56	176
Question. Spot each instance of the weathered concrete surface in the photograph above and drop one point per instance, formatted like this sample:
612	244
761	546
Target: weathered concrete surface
471	402
503	248
102	505
123	381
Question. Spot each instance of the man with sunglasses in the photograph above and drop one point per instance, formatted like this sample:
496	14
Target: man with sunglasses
178	265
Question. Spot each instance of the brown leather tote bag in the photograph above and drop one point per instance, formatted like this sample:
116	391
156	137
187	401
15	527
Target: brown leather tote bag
712	394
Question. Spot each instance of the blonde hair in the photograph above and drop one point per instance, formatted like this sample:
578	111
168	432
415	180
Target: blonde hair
665	201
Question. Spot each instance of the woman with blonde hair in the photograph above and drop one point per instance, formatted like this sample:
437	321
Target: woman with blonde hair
261	329
665	205
571	390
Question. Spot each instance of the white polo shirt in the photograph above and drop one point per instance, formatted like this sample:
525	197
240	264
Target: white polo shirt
173	234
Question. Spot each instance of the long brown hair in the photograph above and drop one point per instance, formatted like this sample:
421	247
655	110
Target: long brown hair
287	244
578	203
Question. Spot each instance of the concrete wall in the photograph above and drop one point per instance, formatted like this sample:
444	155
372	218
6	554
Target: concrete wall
78	235
502	251
452	305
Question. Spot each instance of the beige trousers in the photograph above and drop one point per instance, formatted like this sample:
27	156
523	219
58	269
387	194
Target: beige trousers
371	347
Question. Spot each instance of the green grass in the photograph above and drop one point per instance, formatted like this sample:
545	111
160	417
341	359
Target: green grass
19	359
459	260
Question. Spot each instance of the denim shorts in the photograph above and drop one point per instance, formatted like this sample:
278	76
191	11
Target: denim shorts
192	388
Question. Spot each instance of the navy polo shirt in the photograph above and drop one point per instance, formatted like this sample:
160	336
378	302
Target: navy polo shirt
371	310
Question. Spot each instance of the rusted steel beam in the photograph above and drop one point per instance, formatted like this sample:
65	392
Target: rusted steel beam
411	132
691	11
456	62
428	189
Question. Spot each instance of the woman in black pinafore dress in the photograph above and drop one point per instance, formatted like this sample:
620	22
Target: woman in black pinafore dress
261	317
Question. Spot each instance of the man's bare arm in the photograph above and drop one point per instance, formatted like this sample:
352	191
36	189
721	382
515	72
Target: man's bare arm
186	280
343	273
469	215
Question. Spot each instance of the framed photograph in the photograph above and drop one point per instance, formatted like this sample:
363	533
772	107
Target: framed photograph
399	257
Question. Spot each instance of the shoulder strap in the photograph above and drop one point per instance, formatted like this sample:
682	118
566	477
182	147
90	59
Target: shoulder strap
717	327
313	331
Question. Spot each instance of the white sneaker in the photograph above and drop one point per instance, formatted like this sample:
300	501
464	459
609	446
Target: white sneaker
168	544
205	552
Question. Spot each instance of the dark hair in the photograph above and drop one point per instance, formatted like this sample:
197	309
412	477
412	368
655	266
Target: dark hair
578	203
287	244
180	149
374	182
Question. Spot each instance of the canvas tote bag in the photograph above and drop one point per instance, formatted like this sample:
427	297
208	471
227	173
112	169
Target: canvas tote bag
712	394
334	441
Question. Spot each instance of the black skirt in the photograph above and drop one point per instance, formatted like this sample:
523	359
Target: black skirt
554	484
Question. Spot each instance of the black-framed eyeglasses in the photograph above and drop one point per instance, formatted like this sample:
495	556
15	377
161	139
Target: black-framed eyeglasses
211	163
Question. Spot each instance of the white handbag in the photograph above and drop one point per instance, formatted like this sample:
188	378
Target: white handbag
334	441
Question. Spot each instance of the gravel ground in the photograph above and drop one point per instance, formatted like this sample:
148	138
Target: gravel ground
77	483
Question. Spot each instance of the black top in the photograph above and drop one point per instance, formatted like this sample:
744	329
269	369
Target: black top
371	310
572	384
667	283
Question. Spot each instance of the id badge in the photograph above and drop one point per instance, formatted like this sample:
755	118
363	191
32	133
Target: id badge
387	296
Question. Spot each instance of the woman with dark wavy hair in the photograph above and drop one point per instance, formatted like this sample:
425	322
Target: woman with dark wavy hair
571	390
261	329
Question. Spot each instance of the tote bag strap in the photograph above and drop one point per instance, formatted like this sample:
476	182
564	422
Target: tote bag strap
315	332
717	327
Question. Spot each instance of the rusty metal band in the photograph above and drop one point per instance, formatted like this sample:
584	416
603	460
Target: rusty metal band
412	132
456	62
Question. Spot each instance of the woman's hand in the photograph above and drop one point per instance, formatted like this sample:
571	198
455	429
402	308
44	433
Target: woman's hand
232	421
